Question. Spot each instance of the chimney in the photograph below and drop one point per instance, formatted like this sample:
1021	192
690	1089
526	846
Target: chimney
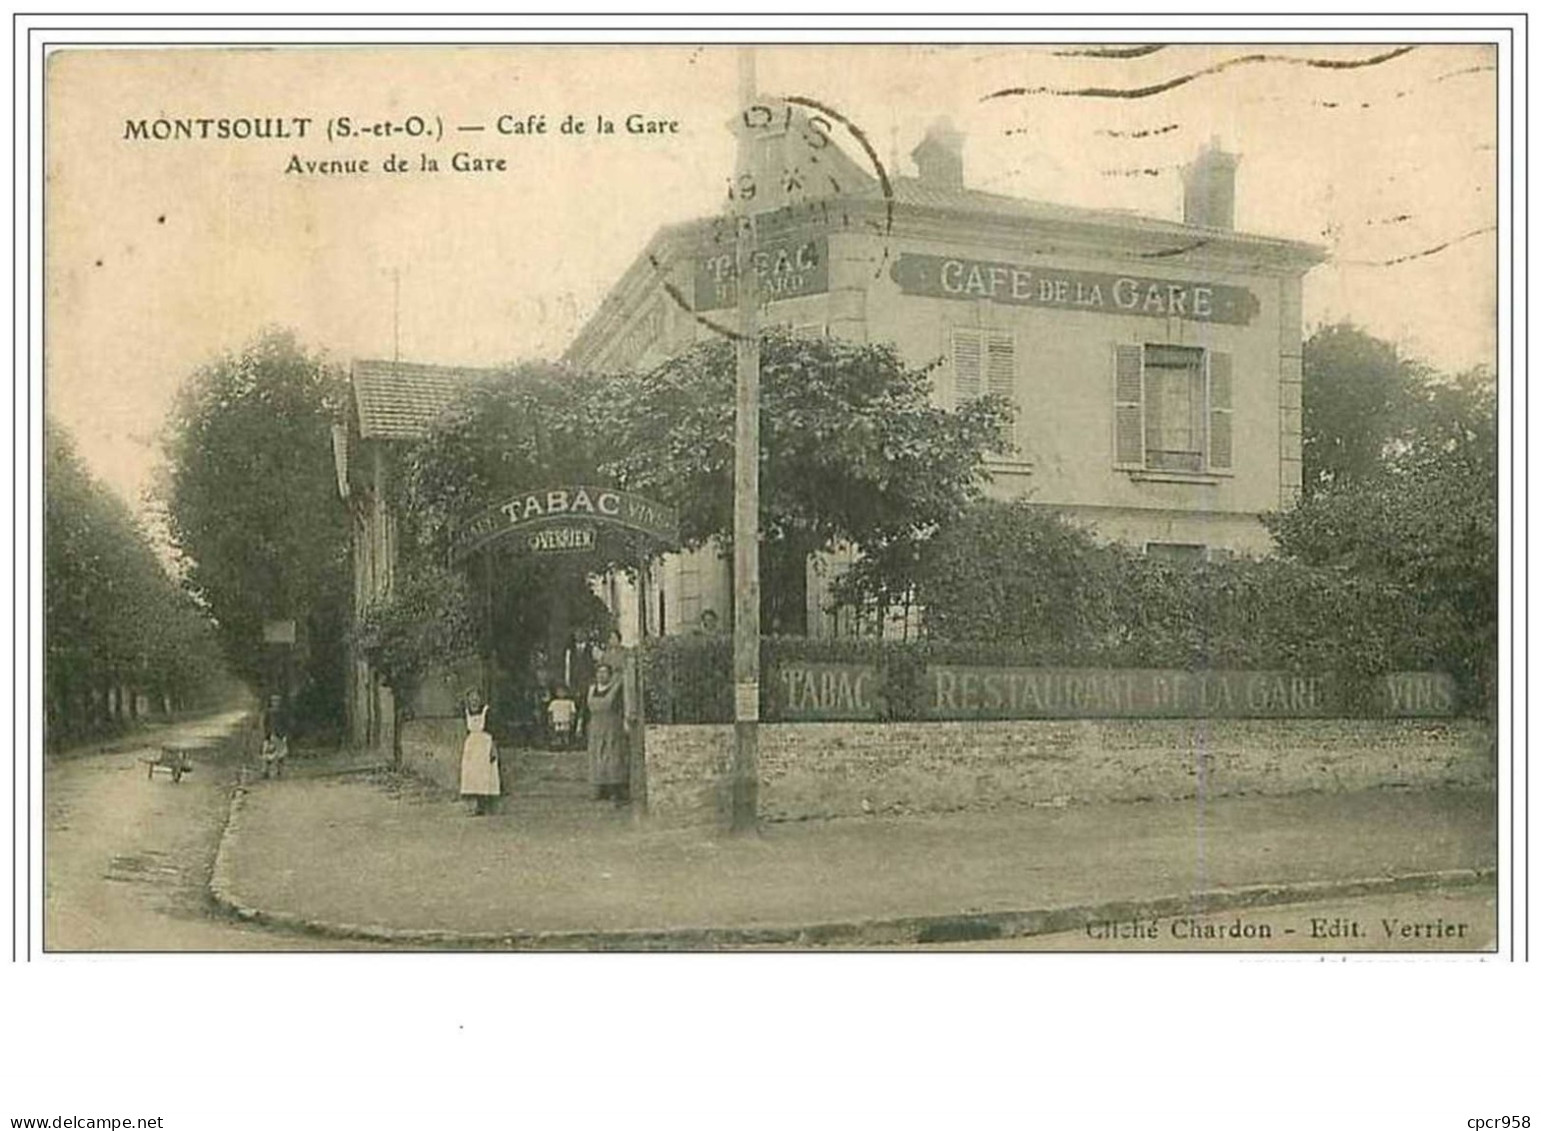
1209	188
939	157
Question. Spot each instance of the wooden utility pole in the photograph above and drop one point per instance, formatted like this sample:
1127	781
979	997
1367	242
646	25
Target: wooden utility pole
634	699
745	786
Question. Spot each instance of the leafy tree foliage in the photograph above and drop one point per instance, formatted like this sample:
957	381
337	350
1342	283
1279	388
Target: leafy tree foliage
852	450
1016	573
528	428
1357	396
1423	520
1021	575
424	620
252	504
117	626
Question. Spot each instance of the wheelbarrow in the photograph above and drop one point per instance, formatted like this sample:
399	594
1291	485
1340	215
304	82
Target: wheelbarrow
175	760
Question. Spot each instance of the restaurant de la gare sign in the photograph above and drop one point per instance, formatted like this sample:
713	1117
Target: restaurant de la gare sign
827	691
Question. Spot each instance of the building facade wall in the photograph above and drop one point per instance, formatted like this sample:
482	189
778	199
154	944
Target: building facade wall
1064	389
371	705
1063	380
1063	386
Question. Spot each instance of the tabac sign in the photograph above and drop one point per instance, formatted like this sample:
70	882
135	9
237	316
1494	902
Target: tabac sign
937	276
788	267
564	519
826	692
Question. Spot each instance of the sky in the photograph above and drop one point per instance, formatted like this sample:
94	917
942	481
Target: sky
162	254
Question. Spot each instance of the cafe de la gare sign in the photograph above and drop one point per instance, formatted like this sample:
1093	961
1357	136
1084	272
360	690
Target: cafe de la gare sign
564	519
937	276
827	691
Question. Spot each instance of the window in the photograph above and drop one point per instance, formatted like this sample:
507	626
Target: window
690	597
1188	552
1171	409
1175	551
985	361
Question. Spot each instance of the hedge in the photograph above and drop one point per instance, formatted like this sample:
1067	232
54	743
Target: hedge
1015	585
690	679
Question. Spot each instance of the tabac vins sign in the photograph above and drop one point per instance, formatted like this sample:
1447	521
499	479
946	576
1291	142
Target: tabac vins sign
564	519
937	276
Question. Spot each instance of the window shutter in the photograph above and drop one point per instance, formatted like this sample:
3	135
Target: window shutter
1128	407
1219	410
1001	375
967	363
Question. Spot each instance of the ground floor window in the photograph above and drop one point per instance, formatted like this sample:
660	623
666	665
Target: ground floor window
1177	551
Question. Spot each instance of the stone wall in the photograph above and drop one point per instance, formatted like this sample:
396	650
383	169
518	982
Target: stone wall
430	748
822	770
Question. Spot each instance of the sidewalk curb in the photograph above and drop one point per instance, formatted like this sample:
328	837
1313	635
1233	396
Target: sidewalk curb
856	934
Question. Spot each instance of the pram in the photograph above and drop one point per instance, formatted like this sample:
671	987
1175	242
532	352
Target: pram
562	720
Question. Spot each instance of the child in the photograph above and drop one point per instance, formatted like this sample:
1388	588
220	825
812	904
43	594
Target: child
275	748
562	714
275	737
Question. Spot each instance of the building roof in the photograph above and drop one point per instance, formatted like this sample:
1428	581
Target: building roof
399	400
916	205
912	192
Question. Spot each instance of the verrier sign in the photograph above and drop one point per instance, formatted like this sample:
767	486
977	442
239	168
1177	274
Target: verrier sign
937	276
564	519
559	539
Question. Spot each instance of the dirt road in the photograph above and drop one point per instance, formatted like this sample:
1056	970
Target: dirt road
127	859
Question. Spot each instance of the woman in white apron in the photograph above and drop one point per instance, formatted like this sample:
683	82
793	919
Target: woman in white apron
479	759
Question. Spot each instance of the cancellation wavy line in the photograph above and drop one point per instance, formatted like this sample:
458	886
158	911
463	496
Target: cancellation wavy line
1435	250
1111	52
1204	72
1152	131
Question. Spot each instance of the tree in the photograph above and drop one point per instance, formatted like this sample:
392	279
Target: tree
852	451
1017	573
1424	520
117	625
526	428
424	620
523	428
251	503
1356	396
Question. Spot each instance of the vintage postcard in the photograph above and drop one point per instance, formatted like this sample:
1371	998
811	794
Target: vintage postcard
1031	496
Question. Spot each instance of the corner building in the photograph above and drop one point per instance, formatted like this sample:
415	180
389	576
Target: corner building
1155	365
